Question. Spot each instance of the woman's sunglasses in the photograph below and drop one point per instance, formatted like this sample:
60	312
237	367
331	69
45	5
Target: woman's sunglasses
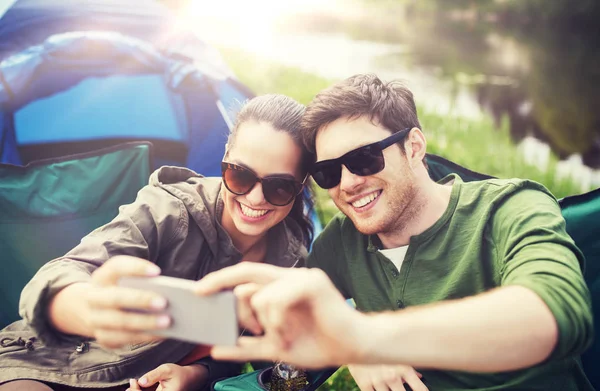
363	161
278	191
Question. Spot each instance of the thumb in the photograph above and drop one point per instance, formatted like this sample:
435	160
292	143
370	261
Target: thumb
163	372
122	265
241	273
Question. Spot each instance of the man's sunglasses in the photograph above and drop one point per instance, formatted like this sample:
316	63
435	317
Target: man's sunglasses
363	161
278	191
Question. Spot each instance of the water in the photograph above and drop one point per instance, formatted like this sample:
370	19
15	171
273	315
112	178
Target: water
544	82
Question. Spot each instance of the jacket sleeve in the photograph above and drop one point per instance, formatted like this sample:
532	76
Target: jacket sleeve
140	229
536	251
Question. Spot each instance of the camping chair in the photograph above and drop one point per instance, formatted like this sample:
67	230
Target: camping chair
46	207
582	214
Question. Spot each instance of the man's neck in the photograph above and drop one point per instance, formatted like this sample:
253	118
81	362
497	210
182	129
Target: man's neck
426	209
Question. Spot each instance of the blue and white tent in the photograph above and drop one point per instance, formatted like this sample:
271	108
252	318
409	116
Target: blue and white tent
78	75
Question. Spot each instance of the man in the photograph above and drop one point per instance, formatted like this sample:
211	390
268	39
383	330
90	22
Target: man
490	280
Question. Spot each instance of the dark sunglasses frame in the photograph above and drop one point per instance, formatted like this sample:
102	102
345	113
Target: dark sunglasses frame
328	173
266	182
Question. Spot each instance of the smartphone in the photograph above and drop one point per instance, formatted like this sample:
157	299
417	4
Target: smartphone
209	320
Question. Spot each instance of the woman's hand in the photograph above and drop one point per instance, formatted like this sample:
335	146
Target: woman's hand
113	315
172	377
386	377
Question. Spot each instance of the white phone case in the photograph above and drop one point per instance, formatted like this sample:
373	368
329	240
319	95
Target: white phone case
210	320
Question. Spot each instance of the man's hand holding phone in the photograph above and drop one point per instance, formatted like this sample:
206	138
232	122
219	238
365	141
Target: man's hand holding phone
302	317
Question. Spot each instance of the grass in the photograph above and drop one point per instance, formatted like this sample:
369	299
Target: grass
265	77
476	144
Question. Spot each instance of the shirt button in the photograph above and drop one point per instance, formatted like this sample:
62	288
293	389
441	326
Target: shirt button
400	304
395	273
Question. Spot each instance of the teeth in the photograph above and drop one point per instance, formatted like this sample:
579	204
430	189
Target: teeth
252	212
365	200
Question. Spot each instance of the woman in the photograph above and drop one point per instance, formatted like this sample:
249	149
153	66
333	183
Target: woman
181	225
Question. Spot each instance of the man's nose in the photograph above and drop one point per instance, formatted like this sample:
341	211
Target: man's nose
350	181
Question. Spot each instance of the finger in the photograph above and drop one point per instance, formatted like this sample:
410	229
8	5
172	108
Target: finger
247	349
396	385
393	376
123	265
260	309
133	385
413	380
128	321
242	273
299	286
115	339
277	305
281	327
364	386
246	316
163	372
130	298
380	385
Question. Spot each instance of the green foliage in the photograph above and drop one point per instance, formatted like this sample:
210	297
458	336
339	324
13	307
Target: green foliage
340	381
478	145
265	77
581	14
564	89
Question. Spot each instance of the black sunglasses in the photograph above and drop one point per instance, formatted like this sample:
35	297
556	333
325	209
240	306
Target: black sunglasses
363	161
278	191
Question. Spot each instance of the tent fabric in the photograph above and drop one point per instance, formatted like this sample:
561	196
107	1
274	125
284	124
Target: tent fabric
440	167
29	22
57	53
48	206
117	88
148	112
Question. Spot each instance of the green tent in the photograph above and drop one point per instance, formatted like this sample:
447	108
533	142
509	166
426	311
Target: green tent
46	208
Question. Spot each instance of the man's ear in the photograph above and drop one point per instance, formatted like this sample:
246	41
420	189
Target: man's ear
415	146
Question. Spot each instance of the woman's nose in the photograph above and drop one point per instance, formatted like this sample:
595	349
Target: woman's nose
256	195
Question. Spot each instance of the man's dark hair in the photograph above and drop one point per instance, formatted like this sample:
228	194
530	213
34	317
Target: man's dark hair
390	104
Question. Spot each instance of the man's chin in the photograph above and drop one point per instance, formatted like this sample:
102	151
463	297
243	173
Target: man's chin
370	226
